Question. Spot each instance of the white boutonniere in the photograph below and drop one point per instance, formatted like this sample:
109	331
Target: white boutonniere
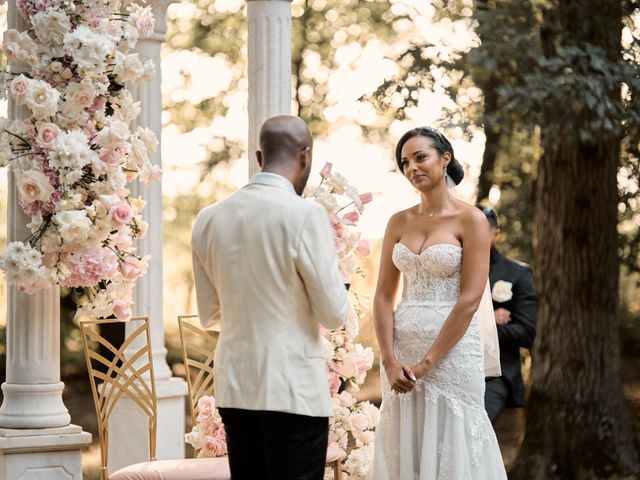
502	291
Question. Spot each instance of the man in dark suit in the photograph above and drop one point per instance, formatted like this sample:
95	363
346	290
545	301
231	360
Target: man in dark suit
514	303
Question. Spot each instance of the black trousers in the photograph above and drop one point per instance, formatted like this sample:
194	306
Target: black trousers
274	445
496	395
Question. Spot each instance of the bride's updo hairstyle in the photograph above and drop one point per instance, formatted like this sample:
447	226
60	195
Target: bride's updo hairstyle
440	143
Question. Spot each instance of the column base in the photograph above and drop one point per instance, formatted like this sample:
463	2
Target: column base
42	454
128	429
33	406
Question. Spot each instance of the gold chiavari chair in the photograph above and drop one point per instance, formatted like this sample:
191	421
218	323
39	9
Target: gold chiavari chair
198	349
130	374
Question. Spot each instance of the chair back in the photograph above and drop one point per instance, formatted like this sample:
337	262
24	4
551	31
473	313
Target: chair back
198	349
129	373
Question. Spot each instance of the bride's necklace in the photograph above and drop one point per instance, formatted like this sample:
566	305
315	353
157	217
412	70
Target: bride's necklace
435	212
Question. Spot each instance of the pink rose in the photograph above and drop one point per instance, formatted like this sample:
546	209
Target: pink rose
47	134
19	88
131	268
33	186
358	421
350	218
216	445
333	377
366	198
121	213
206	406
122	309
363	249
326	170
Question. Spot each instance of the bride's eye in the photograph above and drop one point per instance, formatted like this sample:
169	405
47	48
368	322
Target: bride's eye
420	157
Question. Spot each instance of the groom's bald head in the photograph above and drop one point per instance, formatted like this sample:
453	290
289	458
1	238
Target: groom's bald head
283	138
286	148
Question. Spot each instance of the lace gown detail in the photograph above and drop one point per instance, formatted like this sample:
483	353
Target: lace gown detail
439	430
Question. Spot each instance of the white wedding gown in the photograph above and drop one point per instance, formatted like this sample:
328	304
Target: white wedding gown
439	430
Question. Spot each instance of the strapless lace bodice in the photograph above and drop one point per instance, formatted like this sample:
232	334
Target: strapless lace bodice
431	276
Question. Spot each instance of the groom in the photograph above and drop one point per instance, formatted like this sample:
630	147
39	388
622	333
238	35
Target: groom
267	273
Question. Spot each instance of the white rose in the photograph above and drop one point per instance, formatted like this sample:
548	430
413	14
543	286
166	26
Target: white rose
128	68
129	38
33	186
502	291
138	154
89	48
71	150
19	88
18	45
148	138
327	200
73	225
42	99
338	183
79	96
50	27
113	134
125	108
142	19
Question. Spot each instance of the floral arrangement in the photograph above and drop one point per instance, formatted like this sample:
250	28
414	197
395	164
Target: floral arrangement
208	437
74	154
351	428
352	425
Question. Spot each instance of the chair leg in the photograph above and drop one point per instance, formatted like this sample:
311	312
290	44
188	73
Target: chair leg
337	470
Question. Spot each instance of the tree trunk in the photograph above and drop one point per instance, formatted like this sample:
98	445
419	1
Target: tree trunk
578	424
492	141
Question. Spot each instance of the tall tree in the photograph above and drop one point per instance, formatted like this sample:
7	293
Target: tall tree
578	424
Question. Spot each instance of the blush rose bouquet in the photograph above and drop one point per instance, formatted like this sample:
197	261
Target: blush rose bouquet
75	153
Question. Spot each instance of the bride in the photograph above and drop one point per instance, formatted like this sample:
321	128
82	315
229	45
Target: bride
433	423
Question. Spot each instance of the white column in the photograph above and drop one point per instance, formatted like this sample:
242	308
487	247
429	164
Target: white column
36	437
269	66
128	435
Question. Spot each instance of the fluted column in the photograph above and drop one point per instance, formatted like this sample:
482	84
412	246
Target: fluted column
269	66
35	430
128	442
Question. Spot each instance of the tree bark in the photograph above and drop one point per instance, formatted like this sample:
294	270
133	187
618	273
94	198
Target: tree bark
492	133
578	424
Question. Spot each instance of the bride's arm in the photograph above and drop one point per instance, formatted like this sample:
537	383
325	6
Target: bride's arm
475	271
388	280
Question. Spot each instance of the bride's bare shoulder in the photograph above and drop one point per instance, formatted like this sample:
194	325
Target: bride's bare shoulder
398	220
471	217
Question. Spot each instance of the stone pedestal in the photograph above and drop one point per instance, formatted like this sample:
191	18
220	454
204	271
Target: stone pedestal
129	438
269	51
43	453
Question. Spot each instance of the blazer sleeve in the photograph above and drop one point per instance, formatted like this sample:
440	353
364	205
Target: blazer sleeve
317	265
521	330
207	299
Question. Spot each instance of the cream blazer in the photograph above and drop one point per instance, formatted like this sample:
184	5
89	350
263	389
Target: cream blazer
266	273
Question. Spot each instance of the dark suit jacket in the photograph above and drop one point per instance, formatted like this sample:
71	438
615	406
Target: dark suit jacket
521	330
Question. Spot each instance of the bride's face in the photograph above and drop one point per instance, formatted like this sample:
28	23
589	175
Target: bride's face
421	163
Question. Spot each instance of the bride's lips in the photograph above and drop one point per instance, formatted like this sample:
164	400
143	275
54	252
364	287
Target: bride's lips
418	177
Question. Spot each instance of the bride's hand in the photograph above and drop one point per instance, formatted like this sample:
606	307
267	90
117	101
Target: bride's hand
420	370
400	377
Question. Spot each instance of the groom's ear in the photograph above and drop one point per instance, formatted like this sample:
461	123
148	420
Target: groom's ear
259	158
